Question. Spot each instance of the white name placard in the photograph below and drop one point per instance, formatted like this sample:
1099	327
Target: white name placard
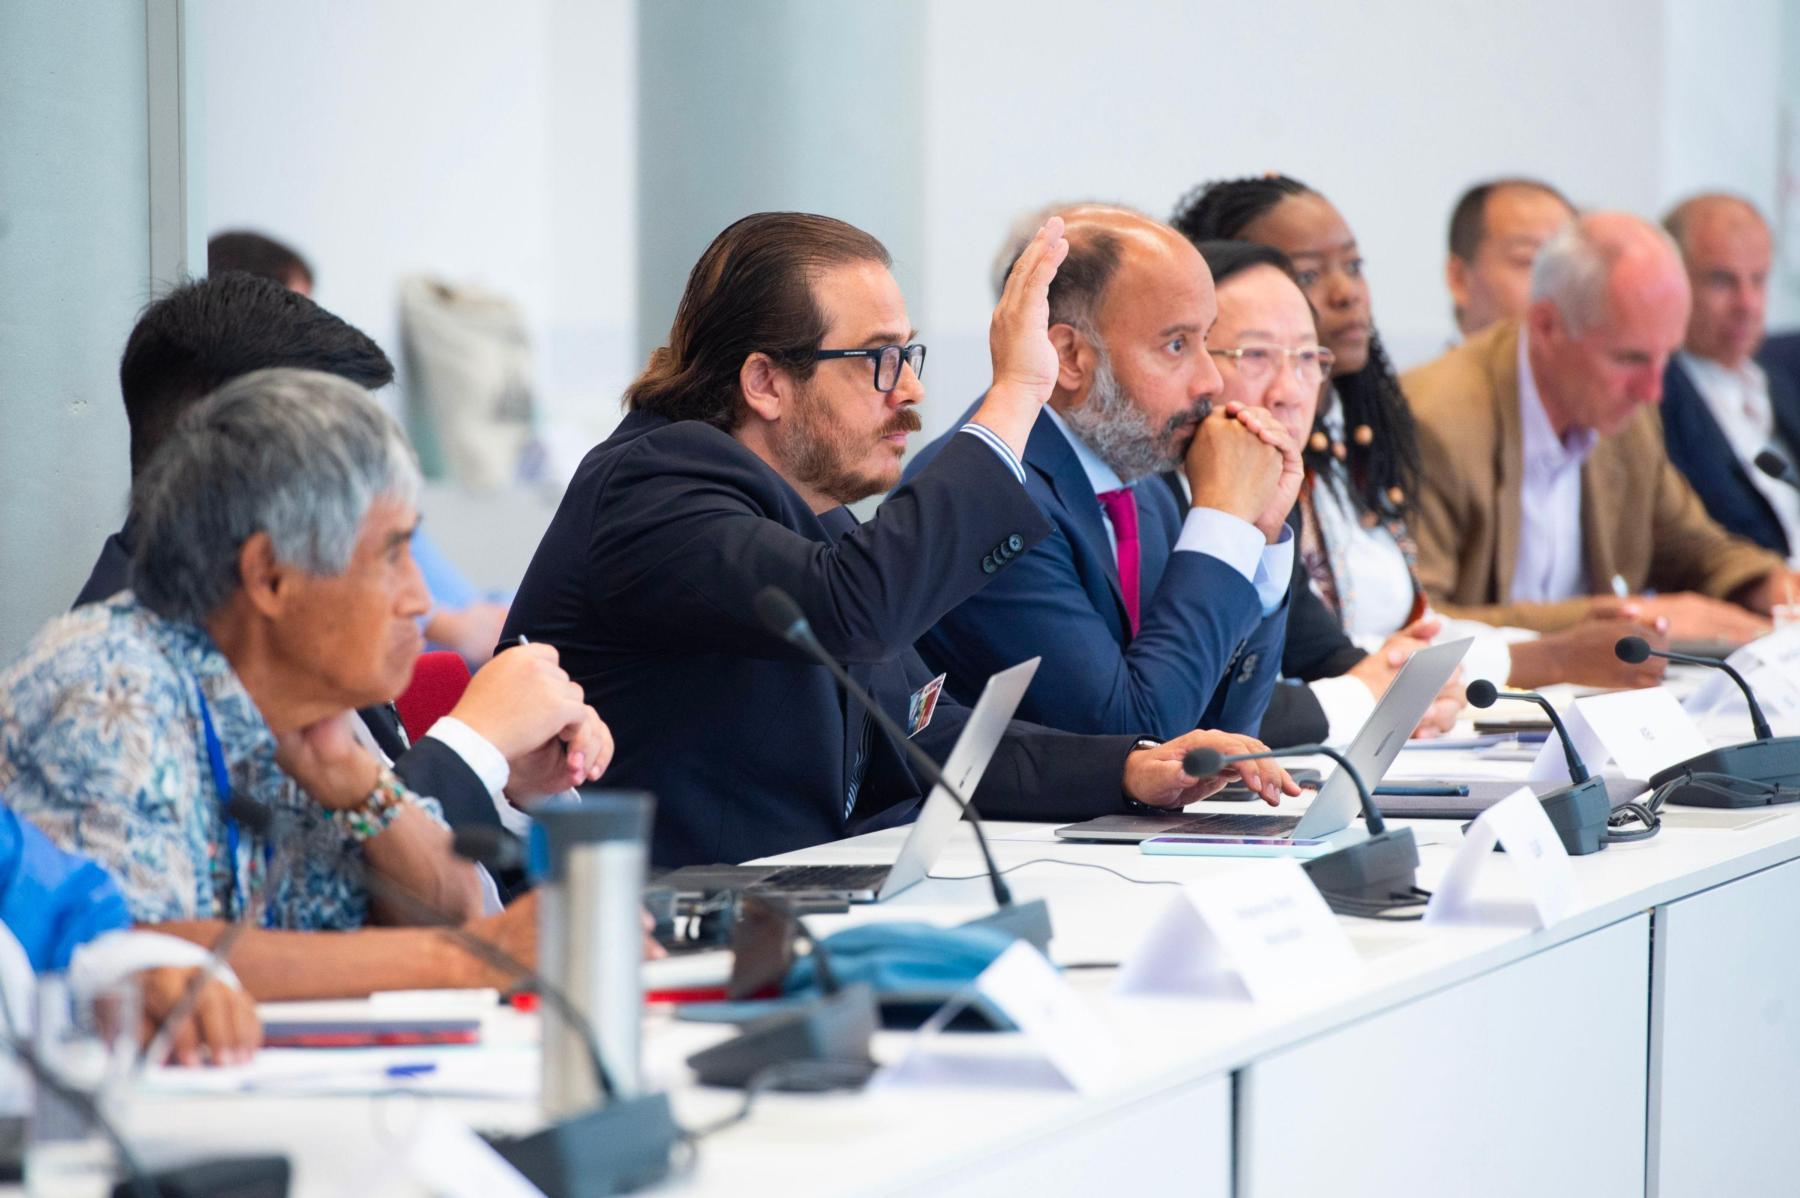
1643	731
1068	1046
1261	933
1545	877
1771	665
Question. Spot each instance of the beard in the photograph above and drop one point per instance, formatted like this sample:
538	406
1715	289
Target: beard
822	452
1119	433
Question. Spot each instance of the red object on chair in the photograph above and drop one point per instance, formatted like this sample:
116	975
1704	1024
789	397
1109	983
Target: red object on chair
437	685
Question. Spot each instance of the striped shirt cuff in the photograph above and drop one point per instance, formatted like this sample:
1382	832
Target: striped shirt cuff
998	445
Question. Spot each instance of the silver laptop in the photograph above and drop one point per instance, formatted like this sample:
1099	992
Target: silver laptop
924	841
1372	752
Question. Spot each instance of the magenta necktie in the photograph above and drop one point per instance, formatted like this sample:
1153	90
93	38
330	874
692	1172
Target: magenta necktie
1121	509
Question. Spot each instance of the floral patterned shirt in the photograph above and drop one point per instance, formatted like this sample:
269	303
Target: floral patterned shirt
102	747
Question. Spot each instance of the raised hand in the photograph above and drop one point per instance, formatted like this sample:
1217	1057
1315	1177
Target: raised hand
1025	361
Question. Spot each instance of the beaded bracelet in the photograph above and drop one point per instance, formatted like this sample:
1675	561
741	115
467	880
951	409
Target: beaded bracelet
377	812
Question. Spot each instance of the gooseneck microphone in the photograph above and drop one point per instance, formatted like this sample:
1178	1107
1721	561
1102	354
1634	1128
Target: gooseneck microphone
783	617
1635	650
1370	877
1579	811
1482	693
1204	763
616	1148
1777	468
1757	773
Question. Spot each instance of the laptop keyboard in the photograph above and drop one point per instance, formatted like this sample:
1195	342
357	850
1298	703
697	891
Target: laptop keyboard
1232	824
826	877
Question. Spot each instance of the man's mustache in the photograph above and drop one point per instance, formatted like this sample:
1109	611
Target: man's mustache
905	421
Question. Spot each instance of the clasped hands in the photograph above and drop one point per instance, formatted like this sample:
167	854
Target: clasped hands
522	702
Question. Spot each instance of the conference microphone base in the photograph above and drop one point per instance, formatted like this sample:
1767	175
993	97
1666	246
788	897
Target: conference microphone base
1579	813
1771	762
1029	922
831	1032
1378	869
622	1146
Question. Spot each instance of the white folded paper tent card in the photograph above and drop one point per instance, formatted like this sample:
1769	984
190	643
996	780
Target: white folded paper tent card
1259	933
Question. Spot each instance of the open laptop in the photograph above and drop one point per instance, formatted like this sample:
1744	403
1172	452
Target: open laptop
1336	806
929	834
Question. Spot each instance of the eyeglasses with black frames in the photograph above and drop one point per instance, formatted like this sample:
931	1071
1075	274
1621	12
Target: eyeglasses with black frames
887	359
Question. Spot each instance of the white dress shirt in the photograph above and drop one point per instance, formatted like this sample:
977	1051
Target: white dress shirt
1739	400
1549	566
1234	541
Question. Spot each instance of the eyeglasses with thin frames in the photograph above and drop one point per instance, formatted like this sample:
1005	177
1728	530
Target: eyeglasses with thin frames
887	359
1311	363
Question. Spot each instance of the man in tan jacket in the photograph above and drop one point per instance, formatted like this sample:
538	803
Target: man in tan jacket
1547	495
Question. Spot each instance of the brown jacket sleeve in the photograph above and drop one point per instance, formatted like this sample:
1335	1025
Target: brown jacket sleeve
1692	552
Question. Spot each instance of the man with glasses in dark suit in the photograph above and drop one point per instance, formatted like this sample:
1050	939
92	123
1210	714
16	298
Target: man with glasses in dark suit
786	391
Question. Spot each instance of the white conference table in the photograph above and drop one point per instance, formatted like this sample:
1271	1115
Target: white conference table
1648	1044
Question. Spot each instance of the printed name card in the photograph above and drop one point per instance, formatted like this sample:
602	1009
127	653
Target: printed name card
1518	824
1643	731
1069	1046
1771	665
1262	932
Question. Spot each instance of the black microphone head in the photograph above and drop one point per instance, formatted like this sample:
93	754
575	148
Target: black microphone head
1773	465
1202	763
255	815
779	613
1632	649
1481	693
495	848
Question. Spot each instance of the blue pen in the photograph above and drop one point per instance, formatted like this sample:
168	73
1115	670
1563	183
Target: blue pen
415	1069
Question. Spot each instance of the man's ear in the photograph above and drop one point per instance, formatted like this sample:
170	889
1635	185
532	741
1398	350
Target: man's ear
766	387
1544	322
1456	277
1075	360
266	582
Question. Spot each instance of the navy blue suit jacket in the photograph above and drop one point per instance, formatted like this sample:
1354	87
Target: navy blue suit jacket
1204	656
645	582
1698	447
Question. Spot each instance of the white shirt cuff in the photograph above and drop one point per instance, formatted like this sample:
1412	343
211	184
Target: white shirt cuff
1238	543
107	959
998	445
1347	704
477	752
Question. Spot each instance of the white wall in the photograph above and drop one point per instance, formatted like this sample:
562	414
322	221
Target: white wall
75	253
1390	108
479	142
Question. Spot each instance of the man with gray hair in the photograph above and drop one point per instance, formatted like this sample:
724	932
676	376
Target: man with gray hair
274	595
1548	496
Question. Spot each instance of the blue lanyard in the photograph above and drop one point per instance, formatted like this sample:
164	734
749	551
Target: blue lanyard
215	757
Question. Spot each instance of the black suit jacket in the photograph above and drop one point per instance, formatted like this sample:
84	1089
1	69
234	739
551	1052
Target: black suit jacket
429	768
645	583
1698	447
